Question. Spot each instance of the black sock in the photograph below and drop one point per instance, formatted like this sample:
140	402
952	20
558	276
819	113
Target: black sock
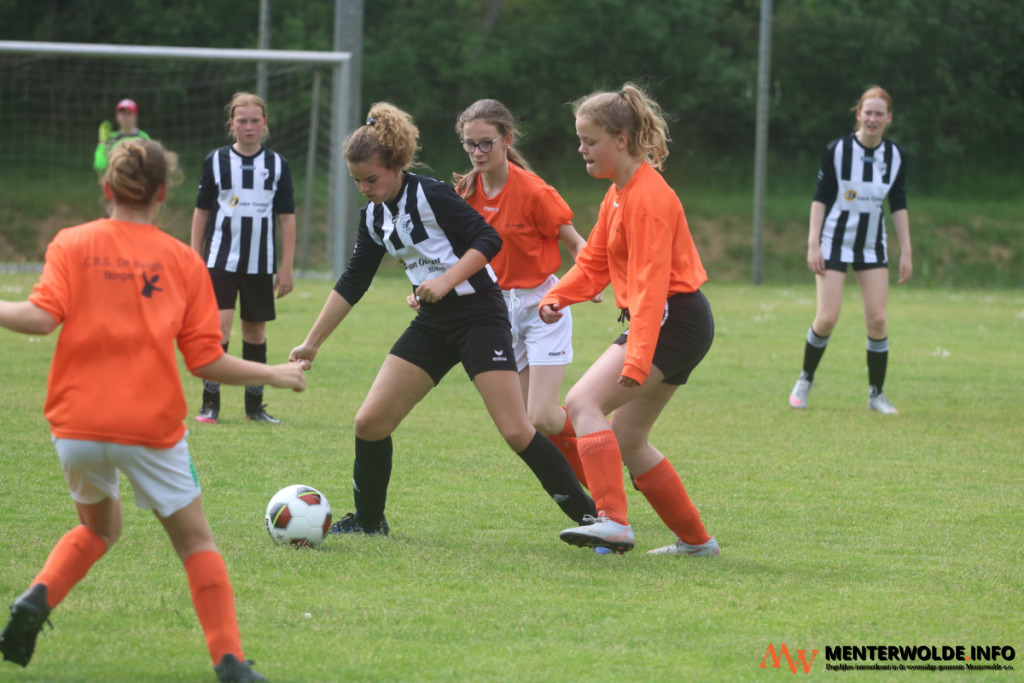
254	394
556	476
814	349
211	390
371	475
878	360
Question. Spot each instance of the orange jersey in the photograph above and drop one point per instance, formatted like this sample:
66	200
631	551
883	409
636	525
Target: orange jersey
527	214
642	245
125	293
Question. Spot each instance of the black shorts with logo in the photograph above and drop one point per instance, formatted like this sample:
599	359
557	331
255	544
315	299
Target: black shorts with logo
473	330
255	294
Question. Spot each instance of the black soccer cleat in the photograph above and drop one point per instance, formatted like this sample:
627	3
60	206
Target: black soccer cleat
208	413
28	614
233	670
261	415
351	524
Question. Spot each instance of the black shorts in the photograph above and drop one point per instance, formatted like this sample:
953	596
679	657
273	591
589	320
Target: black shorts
841	267
473	330
687	331
255	294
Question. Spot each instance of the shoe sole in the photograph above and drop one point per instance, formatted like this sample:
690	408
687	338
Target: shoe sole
584	541
206	420
796	403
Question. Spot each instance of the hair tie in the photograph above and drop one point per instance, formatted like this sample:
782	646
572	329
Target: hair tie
622	93
370	121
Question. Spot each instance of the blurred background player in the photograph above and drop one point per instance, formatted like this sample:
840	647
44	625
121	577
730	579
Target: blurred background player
245	191
133	425
127	112
642	245
444	245
847	228
531	218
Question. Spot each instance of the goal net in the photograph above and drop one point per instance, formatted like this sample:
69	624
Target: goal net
52	106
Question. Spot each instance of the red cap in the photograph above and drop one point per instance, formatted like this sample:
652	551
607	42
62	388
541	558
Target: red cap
129	105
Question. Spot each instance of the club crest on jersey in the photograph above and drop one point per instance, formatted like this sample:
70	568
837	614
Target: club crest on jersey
850	195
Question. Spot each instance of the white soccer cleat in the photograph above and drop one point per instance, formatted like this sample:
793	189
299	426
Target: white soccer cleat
881	404
802	389
600	532
707	549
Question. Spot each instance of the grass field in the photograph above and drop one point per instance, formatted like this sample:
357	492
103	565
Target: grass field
838	526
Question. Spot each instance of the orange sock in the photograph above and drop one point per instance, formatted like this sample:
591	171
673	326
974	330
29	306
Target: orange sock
69	561
602	461
565	442
214	602
665	492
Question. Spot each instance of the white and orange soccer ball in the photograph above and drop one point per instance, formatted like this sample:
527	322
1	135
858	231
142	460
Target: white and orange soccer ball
298	515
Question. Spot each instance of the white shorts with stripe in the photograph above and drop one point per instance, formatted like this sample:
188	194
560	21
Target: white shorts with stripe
163	480
534	341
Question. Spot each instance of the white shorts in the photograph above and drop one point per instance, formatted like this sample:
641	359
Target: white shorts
534	342
163	480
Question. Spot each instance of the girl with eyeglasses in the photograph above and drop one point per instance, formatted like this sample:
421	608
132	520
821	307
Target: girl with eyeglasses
531	218
642	245
444	245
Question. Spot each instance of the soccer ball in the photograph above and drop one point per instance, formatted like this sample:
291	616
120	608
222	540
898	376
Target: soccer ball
298	515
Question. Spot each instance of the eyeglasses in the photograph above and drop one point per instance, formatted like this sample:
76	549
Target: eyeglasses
485	147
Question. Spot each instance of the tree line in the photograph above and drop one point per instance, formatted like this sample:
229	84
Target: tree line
954	67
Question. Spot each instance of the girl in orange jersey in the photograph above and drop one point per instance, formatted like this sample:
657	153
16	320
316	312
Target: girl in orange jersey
531	218
642	245
125	293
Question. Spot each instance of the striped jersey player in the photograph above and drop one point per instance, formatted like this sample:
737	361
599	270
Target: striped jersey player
847	229
245	193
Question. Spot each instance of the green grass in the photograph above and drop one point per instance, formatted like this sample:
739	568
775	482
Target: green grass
838	526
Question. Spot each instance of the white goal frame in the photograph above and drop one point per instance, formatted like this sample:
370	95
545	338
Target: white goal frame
341	195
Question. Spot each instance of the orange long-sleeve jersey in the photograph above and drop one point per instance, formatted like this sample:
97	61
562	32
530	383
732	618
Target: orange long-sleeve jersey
527	214
125	293
642	245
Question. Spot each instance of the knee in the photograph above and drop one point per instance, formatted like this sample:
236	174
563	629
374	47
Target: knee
877	325
547	420
824	323
370	426
519	438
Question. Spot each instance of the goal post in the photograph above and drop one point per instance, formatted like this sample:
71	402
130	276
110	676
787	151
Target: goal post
339	190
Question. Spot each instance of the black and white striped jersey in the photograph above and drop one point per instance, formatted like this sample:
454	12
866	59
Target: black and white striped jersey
243	194
428	228
852	183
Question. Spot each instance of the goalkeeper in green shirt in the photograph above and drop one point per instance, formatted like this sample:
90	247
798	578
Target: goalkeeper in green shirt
127	121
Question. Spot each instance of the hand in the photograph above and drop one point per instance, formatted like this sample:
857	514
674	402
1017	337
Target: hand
815	260
106	131
289	376
432	290
550	314
413	302
303	355
628	382
284	282
598	298
906	268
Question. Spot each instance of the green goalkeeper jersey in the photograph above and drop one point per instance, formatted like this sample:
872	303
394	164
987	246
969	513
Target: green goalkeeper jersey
105	146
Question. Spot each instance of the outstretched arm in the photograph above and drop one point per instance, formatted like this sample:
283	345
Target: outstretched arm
26	317
334	311
231	370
